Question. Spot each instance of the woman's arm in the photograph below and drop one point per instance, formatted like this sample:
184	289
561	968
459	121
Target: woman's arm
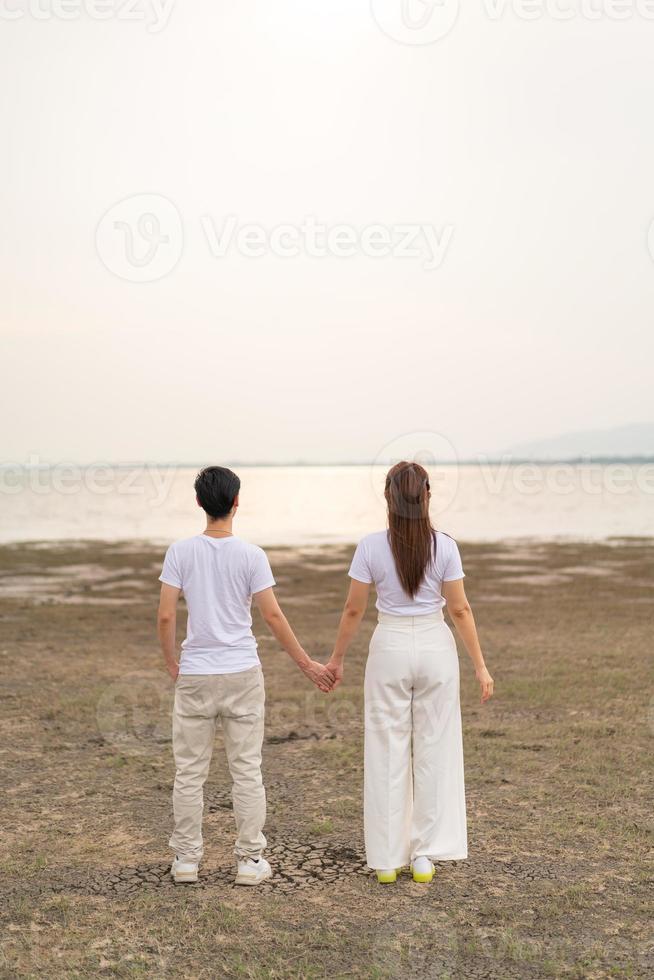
279	626
355	607
461	613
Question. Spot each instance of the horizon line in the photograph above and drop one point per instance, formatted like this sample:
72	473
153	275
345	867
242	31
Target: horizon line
481	459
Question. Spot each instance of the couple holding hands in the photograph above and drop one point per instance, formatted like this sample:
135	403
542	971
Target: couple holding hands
414	794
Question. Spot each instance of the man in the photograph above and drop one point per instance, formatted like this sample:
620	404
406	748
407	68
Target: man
219	675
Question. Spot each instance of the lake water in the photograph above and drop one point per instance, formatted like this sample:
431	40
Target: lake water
322	504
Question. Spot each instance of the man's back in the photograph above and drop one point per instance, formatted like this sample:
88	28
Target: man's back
218	574
218	577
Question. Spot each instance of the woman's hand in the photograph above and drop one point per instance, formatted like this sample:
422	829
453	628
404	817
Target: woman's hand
335	668
486	683
173	668
317	674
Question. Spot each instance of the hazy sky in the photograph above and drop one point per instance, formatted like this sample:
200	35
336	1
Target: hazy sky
514	157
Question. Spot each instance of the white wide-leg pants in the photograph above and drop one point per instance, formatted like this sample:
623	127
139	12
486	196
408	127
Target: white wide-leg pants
414	793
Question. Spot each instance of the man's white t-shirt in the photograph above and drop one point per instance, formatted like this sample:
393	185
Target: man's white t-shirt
218	577
373	562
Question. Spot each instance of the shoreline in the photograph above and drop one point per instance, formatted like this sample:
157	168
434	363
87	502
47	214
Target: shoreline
159	542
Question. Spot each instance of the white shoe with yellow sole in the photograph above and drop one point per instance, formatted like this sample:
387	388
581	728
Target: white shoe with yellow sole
422	870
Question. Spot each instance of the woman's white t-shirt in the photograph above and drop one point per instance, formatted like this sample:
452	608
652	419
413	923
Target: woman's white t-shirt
218	577
373	562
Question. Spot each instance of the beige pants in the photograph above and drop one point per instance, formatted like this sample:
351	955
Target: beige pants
237	700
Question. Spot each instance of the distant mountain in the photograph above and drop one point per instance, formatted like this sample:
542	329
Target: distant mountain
625	441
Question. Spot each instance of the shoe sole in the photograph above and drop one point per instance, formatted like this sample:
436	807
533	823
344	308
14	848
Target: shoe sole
185	879
387	879
423	877
251	880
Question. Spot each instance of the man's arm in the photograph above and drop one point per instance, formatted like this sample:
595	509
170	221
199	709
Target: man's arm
167	627
267	604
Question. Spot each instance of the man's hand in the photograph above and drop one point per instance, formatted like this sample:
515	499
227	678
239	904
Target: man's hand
173	668
317	674
335	669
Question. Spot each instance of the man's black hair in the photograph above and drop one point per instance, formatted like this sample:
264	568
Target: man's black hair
216	488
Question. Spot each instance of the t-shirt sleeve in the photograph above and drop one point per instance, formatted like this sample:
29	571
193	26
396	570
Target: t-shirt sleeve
453	565
360	567
261	576
171	573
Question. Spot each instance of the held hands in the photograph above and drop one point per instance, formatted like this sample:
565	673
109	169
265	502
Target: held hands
486	682
318	674
327	677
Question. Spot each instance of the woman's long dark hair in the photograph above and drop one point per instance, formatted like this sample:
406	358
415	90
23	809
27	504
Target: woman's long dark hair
409	526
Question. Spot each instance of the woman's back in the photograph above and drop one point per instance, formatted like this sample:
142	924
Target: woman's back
373	562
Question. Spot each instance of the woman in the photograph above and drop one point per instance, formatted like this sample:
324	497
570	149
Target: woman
414	795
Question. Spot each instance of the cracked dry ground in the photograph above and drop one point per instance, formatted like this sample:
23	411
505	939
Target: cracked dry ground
557	770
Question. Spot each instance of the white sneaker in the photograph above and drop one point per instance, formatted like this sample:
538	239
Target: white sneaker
423	870
251	872
183	871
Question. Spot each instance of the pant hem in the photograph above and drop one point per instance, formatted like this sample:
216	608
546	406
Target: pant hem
389	866
184	855
243	855
405	864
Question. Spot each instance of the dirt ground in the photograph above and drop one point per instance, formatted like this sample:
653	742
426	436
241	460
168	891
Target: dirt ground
558	776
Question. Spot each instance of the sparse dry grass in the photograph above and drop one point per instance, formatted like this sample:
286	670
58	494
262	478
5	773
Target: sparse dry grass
557	769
